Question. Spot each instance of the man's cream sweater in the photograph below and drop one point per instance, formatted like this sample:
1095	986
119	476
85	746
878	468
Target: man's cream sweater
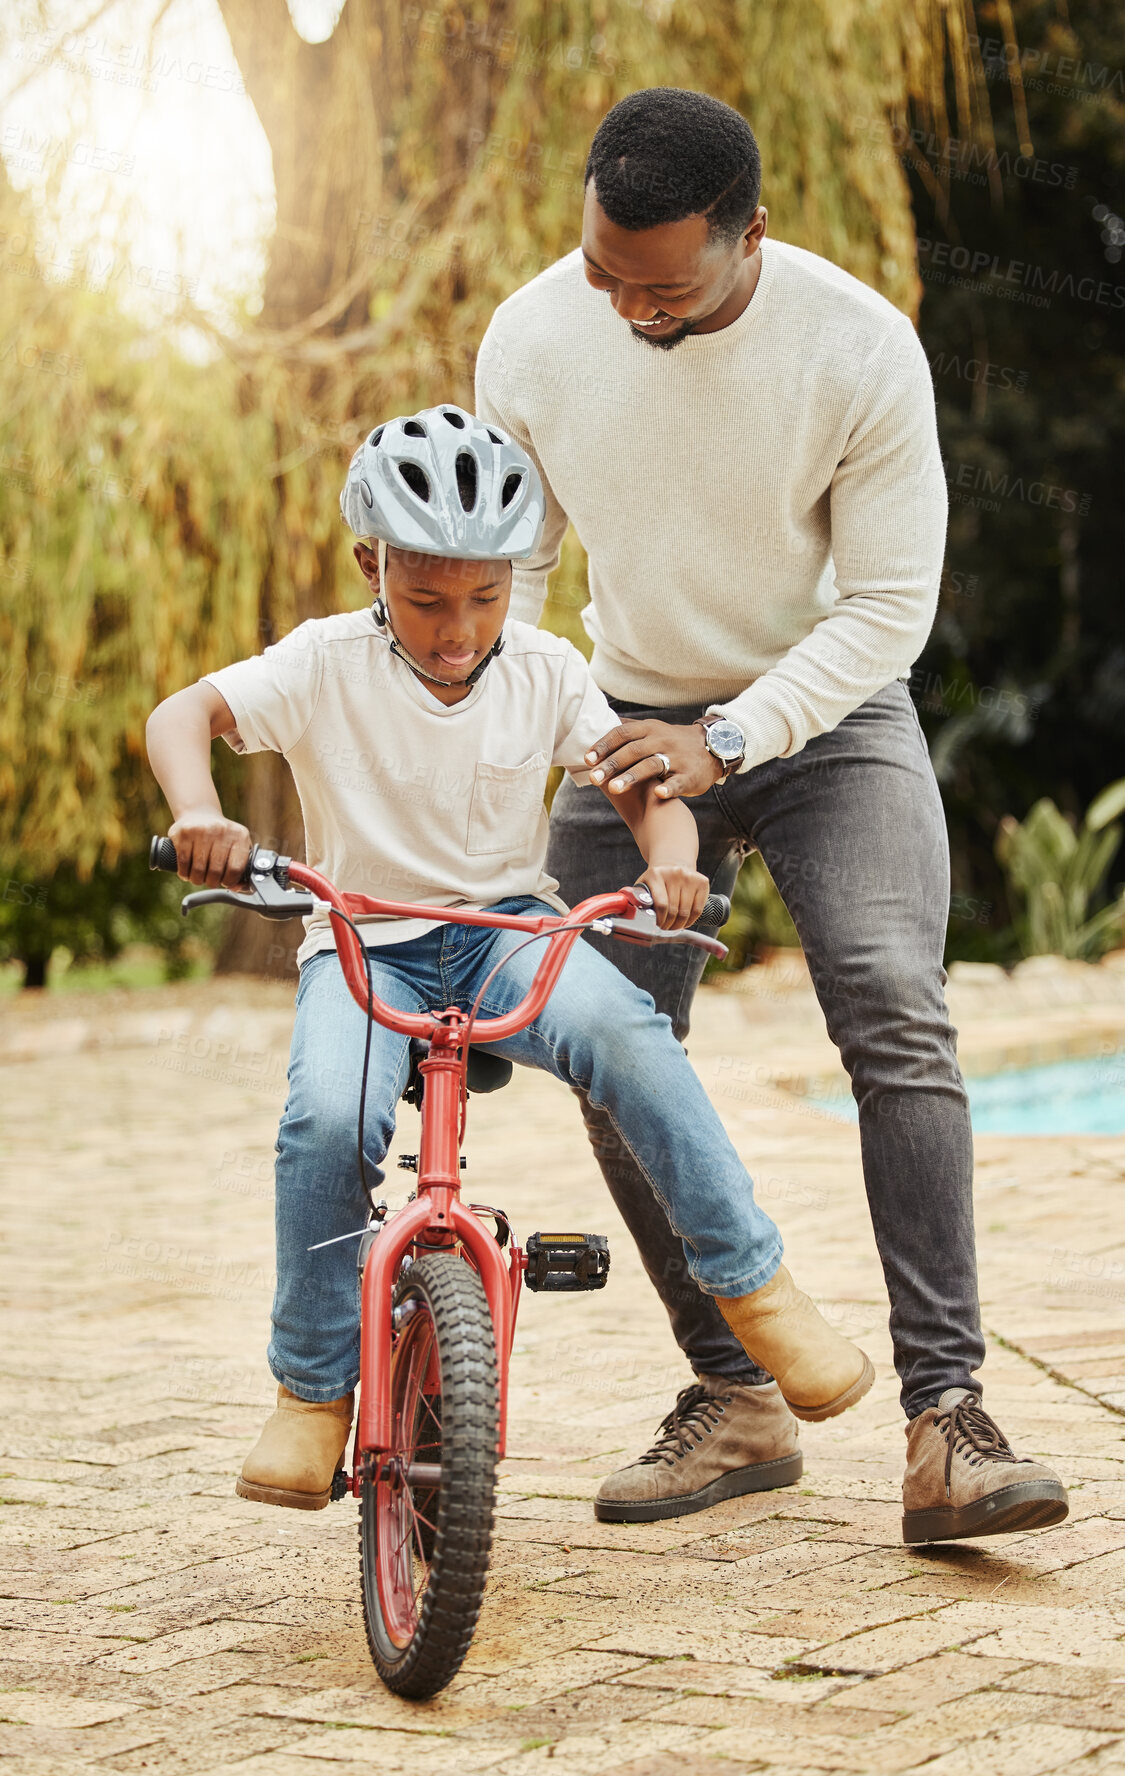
763	507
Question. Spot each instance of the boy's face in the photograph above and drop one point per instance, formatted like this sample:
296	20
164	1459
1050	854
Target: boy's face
447	614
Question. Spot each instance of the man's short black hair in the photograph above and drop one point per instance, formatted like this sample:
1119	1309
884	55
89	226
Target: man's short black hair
664	153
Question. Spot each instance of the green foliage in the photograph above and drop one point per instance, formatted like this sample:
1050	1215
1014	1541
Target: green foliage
758	919
134	504
93	917
1057	873
1021	688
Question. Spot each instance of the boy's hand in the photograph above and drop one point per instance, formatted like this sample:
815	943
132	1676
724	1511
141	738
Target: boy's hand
211	850
678	894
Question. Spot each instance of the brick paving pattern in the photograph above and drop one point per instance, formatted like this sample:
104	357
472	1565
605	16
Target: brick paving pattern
152	1621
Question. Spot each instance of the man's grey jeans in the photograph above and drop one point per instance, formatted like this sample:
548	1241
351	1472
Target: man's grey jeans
853	833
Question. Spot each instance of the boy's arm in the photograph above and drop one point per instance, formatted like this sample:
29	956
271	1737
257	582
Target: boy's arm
668	840
209	848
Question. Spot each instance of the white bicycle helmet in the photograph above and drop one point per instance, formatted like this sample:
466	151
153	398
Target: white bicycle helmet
444	483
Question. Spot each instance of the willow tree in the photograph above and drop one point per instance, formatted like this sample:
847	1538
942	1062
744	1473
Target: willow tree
427	160
133	504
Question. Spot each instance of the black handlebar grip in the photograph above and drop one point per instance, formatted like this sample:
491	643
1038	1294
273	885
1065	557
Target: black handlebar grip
162	856
716	912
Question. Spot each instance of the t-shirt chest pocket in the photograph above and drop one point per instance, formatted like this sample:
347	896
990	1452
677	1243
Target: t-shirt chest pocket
505	806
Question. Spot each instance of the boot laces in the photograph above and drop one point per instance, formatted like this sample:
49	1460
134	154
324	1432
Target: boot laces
693	1417
972	1434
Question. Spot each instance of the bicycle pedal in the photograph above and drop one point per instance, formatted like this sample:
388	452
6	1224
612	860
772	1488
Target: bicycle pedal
564	1263
341	1487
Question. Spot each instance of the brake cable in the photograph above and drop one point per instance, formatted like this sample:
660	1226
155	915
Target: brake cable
466	1036
336	913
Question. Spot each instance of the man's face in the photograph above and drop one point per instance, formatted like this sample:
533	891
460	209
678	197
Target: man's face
447	614
672	280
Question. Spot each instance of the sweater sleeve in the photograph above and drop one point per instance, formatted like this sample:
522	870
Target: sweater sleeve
888	509
494	402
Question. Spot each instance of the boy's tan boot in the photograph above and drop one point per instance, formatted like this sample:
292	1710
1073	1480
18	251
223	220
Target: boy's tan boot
298	1452
963	1478
721	1439
819	1371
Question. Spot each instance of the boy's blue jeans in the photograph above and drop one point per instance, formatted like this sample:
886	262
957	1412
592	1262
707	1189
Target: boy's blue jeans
598	1033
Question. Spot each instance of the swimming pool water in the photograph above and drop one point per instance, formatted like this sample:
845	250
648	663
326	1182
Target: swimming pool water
1064	1098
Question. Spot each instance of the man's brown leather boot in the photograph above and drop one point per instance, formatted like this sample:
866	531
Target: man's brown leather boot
964	1479
298	1452
819	1371
720	1440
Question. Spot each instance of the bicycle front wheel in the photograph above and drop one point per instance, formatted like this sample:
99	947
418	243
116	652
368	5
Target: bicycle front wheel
426	1507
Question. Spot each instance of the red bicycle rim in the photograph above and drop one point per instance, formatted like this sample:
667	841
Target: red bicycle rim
402	1528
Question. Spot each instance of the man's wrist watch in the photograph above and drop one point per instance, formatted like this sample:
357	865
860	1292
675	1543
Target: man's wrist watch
725	741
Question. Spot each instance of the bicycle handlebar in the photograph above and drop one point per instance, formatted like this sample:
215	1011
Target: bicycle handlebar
278	888
162	855
267	864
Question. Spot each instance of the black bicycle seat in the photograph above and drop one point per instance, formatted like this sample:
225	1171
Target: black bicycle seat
487	1072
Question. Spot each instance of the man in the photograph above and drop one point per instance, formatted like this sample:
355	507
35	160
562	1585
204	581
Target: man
753	469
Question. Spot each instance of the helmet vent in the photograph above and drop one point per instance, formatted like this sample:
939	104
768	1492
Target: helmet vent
415	478
413	429
467	480
454	420
495	436
375	437
366	494
512	485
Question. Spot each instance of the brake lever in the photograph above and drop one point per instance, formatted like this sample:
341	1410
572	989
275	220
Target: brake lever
641	928
267	898
279	906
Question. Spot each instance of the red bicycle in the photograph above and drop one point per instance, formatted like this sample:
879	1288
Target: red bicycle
438	1295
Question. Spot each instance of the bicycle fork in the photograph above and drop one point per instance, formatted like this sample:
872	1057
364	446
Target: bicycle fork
436	1220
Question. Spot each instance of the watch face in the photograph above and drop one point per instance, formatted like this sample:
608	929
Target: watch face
726	740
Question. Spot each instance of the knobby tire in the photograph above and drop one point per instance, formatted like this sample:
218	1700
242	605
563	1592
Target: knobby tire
448	1341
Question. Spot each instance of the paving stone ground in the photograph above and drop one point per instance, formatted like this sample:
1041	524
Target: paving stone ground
152	1621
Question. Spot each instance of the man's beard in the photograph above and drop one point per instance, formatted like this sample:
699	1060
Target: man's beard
669	339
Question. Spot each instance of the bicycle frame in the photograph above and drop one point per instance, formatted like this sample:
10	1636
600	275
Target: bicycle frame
437	1219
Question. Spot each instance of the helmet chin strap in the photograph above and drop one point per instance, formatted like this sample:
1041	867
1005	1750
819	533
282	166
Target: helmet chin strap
379	611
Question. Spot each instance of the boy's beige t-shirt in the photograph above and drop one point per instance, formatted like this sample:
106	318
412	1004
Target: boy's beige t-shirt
404	798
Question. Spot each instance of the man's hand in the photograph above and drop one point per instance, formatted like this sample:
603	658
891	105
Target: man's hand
210	849
627	755
679	894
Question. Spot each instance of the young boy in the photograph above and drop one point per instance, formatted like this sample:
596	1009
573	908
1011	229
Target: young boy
420	733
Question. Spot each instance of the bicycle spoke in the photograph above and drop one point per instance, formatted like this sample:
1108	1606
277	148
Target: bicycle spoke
416	1517
424	1563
